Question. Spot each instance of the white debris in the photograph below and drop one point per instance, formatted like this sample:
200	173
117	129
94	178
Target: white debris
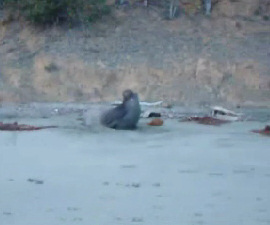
225	114
146	114
141	103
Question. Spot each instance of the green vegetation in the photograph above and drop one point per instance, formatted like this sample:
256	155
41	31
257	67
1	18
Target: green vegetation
55	11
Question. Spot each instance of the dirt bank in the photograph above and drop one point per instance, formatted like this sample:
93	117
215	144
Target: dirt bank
193	59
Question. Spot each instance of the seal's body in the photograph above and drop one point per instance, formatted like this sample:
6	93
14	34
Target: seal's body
124	116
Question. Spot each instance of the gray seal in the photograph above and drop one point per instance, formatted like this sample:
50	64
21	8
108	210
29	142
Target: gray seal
124	116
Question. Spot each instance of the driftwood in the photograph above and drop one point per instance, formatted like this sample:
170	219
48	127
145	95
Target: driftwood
225	114
206	120
265	131
21	127
141	103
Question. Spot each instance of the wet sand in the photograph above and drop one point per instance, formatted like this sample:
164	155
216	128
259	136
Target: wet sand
180	173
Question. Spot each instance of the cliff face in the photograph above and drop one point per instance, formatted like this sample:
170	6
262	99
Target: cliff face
198	60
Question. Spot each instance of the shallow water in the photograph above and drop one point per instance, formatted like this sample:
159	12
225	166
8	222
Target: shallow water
181	173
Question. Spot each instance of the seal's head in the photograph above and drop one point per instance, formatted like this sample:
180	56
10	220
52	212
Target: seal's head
127	95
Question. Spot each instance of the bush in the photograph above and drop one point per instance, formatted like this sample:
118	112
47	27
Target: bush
54	11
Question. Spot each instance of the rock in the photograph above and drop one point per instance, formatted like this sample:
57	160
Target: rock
137	220
35	181
148	114
156	122
154	114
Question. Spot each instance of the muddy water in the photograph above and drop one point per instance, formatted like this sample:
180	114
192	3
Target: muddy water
181	173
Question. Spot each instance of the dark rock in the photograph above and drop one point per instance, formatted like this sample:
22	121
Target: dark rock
154	114
35	181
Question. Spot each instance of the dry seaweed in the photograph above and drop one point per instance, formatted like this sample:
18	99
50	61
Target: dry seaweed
21	127
206	120
265	131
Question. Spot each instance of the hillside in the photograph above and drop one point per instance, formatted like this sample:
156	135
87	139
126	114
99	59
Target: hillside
193	59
